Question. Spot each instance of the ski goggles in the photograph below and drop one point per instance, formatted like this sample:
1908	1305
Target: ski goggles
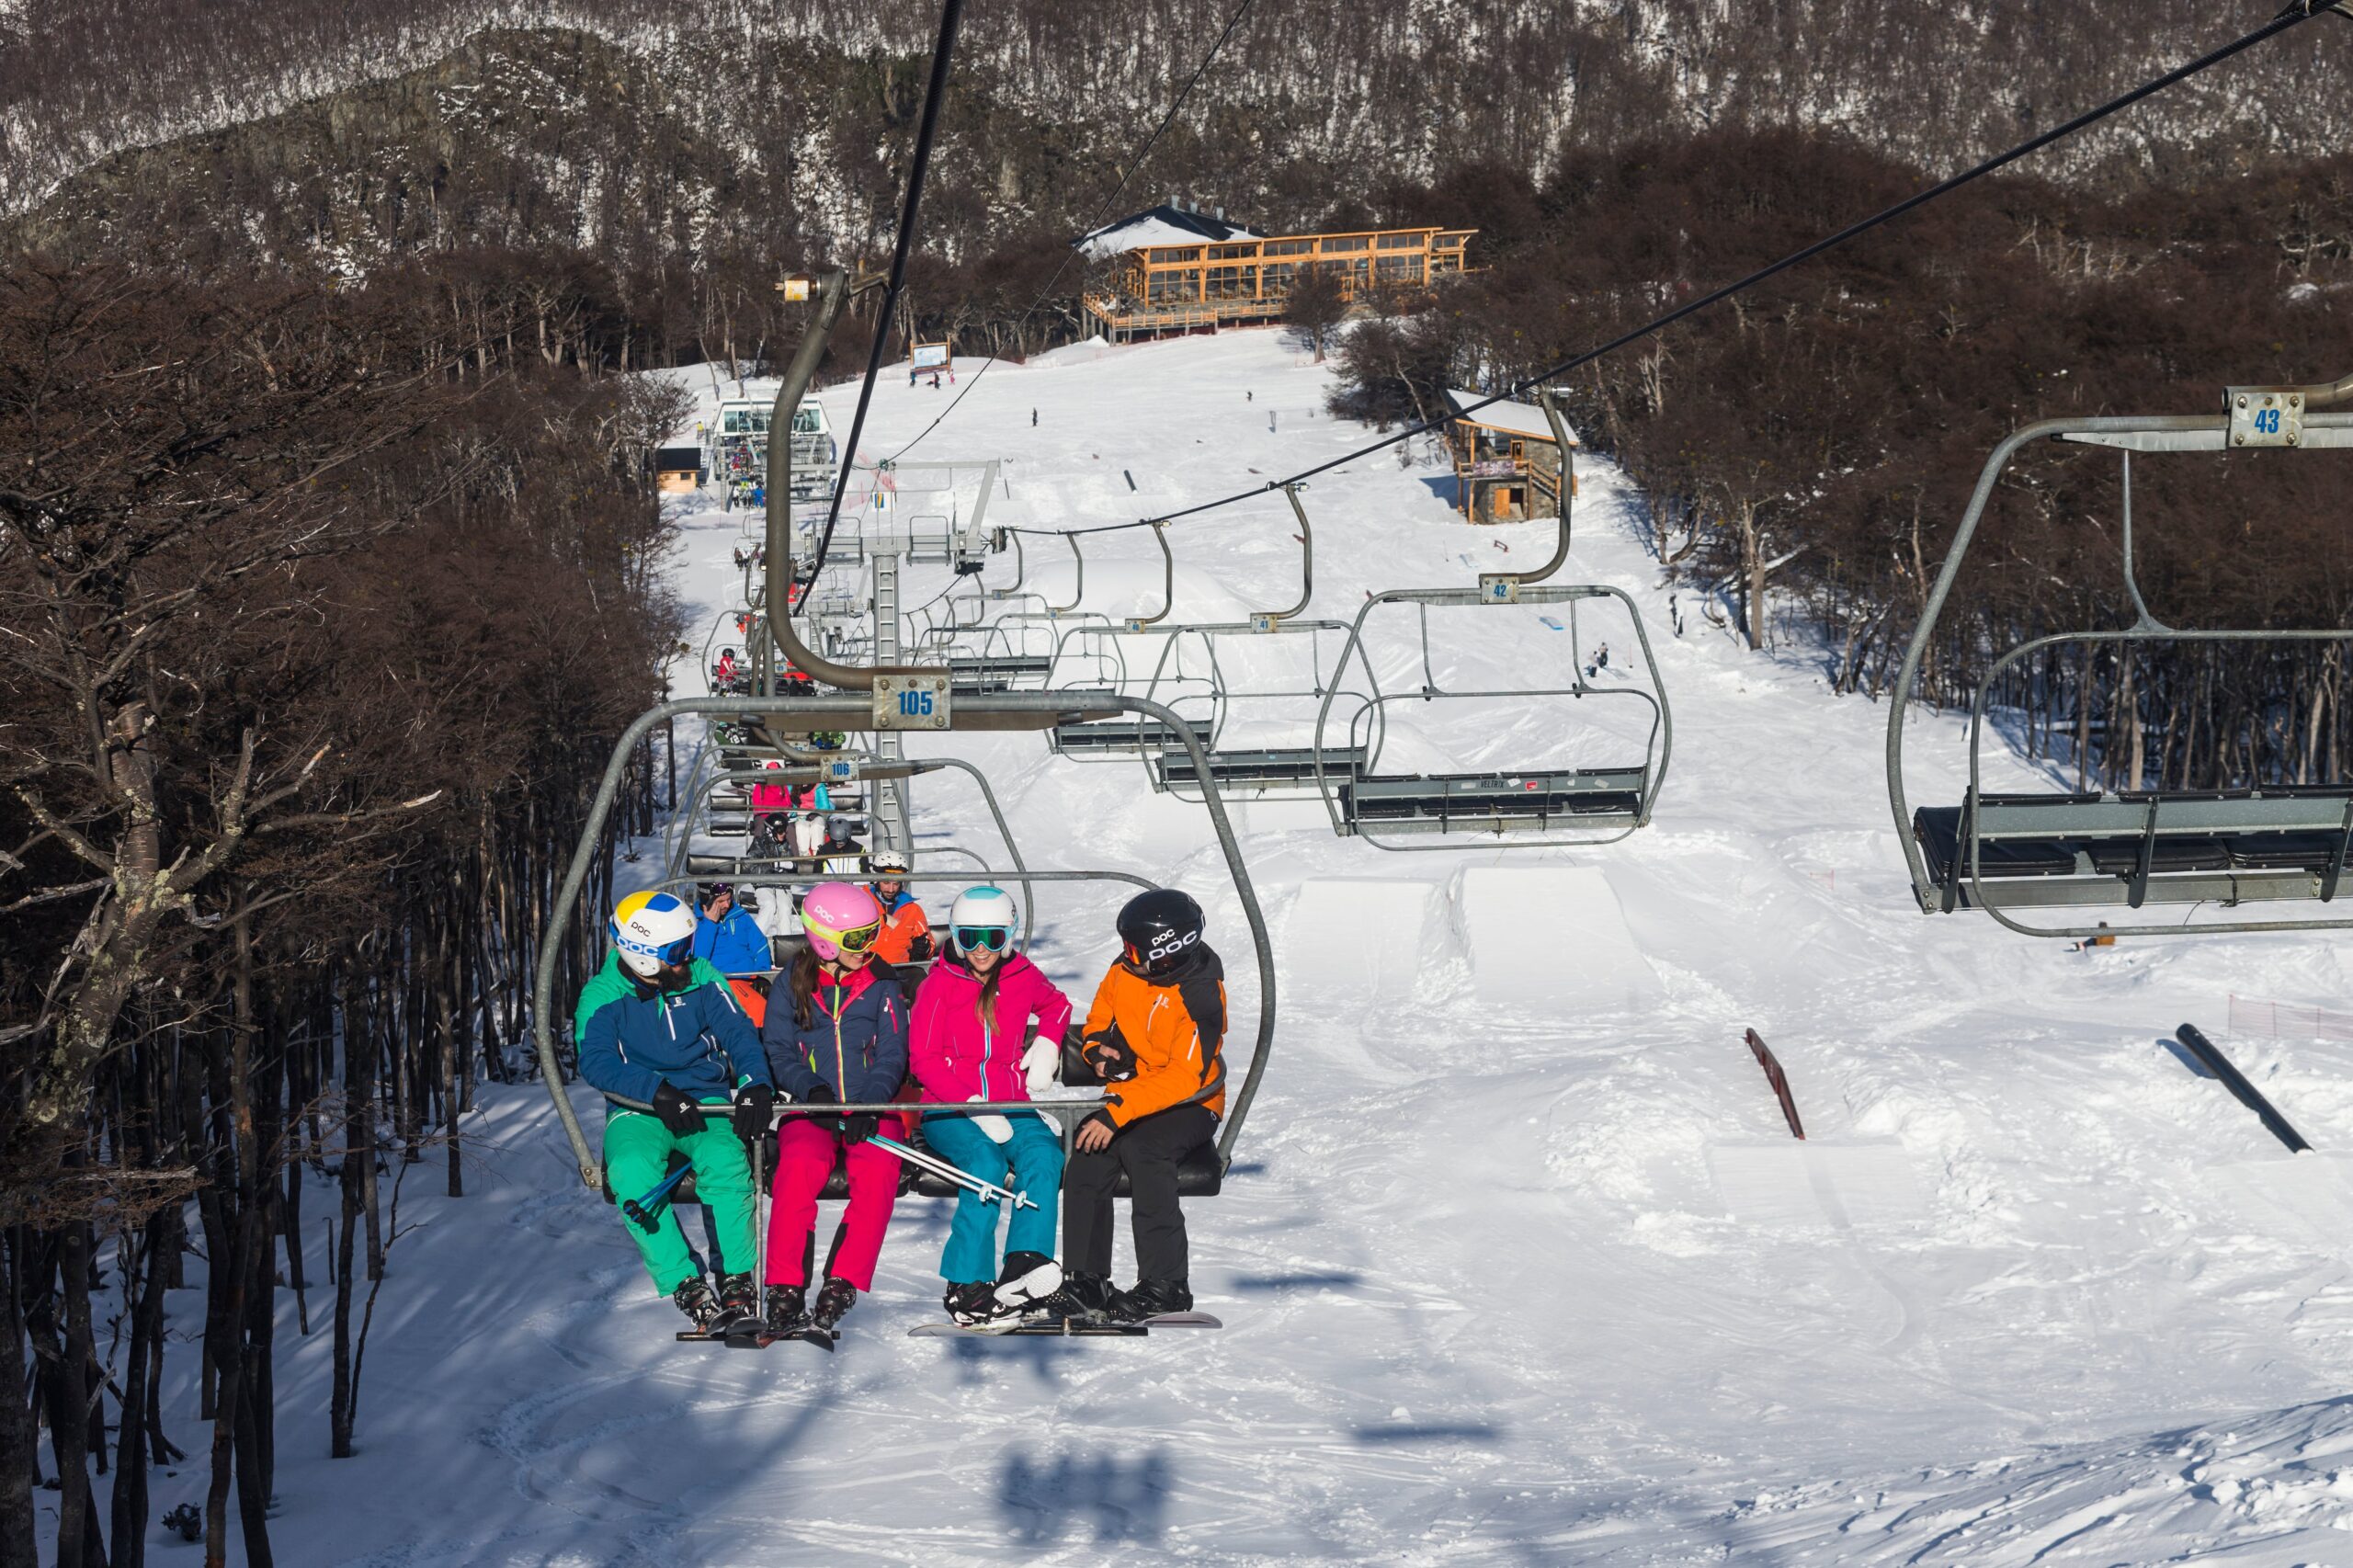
858	938
674	954
995	938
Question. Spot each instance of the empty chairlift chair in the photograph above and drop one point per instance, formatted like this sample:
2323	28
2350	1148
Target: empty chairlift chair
1533	806
2007	852
1269	772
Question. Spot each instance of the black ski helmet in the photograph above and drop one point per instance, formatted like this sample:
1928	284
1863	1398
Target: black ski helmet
1159	930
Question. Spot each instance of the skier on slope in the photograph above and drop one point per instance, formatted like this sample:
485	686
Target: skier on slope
836	1034
1154	1035
971	1041
670	1042
906	931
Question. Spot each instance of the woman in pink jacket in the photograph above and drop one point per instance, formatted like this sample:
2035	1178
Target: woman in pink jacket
969	1040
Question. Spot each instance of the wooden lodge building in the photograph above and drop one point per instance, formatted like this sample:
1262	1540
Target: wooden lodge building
1181	270
1506	464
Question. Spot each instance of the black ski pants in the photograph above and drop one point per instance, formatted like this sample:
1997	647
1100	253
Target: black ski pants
1148	1150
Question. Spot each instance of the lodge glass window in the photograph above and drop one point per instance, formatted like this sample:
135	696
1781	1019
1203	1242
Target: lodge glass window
1232	282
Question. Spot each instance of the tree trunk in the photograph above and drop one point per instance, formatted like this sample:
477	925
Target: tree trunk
19	1454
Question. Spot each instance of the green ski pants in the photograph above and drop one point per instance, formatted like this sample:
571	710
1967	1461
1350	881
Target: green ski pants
637	1156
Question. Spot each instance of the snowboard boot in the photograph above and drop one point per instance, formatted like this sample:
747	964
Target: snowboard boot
738	1302
787	1311
972	1304
1149	1300
695	1299
1081	1299
836	1299
1028	1278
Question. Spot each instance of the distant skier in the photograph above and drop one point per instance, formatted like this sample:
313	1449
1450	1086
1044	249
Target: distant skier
971	1041
727	673
1033	419
837	1033
655	1034
727	936
1154	1035
906	930
935	380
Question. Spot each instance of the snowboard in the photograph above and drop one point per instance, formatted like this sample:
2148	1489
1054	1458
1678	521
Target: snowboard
1069	1329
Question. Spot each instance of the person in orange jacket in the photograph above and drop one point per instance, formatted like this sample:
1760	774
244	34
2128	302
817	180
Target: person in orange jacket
1155	1037
906	930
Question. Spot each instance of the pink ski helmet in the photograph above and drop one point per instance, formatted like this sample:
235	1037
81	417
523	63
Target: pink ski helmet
840	917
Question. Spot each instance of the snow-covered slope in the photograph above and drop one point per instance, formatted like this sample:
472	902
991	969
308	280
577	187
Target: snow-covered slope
1516	1260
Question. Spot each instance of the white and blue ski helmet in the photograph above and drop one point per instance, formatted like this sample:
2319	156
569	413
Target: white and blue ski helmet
651	929
983	909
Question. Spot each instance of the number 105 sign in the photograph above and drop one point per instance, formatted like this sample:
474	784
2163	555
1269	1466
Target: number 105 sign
911	703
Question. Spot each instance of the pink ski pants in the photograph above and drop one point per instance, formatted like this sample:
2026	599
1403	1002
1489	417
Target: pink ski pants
805	1152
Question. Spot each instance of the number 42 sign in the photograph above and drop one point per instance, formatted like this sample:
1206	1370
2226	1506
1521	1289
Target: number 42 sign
911	703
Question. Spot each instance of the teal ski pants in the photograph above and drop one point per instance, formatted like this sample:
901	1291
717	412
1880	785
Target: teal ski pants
1032	1162
637	1156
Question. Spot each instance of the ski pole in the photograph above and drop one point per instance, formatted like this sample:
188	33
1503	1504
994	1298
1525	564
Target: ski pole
645	1212
988	1190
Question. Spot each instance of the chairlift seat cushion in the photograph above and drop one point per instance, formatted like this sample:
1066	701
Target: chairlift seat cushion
1116	735
1278	765
1939	830
1440	799
2283	851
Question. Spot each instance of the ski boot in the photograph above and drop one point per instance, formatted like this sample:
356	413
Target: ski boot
836	1299
1081	1299
695	1299
787	1312
739	1303
971	1305
1028	1278
1149	1299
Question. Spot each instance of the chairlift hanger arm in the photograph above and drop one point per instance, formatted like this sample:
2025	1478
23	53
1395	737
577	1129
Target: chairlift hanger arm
834	293
1268	620
1078	586
1167	583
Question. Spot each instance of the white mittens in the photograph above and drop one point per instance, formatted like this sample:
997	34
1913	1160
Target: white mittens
999	1130
1040	1063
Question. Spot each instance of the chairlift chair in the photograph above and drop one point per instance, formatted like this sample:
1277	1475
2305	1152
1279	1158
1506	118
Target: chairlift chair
2018	851
1527	807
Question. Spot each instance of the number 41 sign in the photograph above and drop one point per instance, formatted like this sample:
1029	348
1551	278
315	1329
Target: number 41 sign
911	703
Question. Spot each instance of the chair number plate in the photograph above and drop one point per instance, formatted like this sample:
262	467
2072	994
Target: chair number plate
911	703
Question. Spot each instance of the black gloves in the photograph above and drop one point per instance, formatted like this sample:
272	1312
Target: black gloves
822	1095
754	1106
677	1112
1111	1056
859	1128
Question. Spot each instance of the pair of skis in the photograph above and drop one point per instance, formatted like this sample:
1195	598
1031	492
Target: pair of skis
1067	1328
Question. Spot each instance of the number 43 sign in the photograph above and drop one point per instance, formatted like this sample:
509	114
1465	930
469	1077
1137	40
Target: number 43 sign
911	703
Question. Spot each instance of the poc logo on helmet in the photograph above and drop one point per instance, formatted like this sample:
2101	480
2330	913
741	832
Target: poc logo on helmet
1172	945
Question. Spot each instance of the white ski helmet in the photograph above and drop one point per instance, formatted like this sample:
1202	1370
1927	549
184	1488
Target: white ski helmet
651	929
983	909
888	860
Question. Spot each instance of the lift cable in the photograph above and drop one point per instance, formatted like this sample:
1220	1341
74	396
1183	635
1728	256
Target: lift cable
2297	13
1102	212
